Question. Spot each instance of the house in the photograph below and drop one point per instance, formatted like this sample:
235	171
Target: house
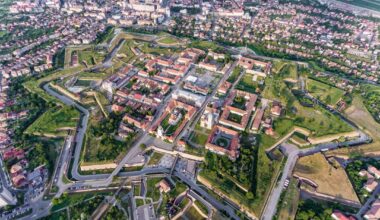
117	108
338	215
19	180
257	120
374	171
164	186
224	141
276	109
16	169
374	211
370	185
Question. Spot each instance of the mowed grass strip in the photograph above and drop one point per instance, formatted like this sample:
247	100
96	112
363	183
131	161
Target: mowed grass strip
55	121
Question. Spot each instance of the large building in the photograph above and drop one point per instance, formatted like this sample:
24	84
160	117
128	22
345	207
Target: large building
173	120
6	198
224	141
238	108
255	67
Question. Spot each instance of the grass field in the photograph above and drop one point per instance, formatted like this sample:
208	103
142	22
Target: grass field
153	191
55	121
2	33
72	199
90	57
204	45
192	213
330	181
147	49
326	93
289	204
125	53
369	4
155	158
316	119
235	74
199	138
360	115
247	83
320	122
168	40
33	86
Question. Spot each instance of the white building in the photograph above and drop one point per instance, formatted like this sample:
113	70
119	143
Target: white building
198	100
6	198
209	118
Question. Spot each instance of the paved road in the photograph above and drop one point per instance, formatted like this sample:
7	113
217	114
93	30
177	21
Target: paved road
62	165
368	203
293	155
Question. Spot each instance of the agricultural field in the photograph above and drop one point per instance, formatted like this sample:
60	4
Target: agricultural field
326	93
369	4
331	180
55	122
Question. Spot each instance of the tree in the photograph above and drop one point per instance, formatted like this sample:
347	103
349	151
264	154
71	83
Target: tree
249	195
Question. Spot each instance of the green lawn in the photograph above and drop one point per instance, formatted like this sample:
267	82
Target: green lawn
199	138
2	33
319	121
91	57
146	48
235	74
55	121
205	45
33	86
153	191
125	53
155	158
168	40
139	202
326	93
72	199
